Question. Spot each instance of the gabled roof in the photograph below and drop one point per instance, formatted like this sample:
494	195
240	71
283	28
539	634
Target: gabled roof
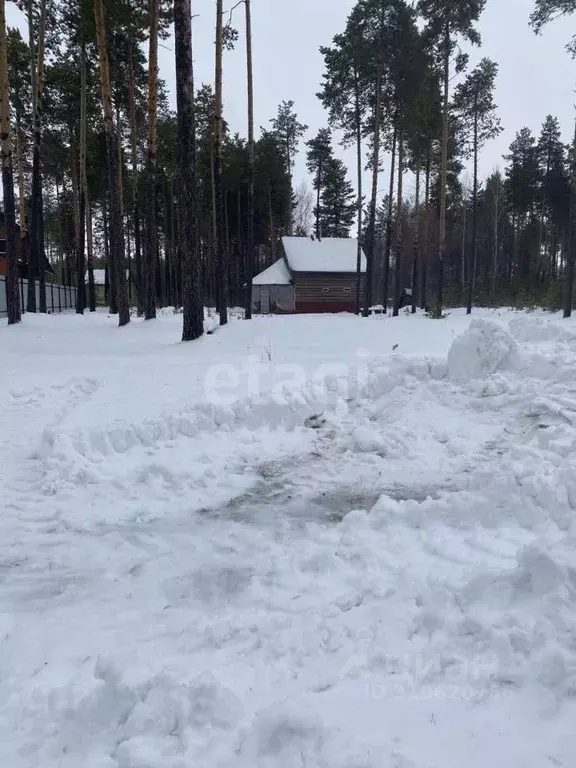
277	274
331	254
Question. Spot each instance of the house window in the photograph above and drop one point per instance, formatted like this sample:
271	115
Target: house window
2	246
325	290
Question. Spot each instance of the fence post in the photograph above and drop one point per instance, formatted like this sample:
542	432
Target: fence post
52	296
22	302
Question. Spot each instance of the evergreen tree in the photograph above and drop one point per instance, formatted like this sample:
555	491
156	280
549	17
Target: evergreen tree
152	230
117	255
345	99
250	255
319	153
546	10
338	205
20	100
571	256
288	131
218	139
446	22
193	326
12	294
474	105
554	191
522	184
494	204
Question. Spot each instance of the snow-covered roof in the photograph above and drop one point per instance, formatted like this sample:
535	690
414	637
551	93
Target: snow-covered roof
277	274
331	254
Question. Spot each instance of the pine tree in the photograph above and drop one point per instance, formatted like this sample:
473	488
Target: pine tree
337	205
522	184
219	207
152	229
36	261
288	130
20	99
318	155
546	10
571	257
474	105
80	245
554	193
193	326
495	204
250	254
446	21
12	294
116	226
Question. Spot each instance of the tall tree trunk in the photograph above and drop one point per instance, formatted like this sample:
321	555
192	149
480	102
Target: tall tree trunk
193	326
152	239
473	257
251	162
388	246
375	173
90	244
221	260
360	171
496	243
443	174
22	202
75	179
12	294
272	227
135	185
168	245
81	255
174	230
426	249
416	254
464	237
572	243
81	245
116	230
399	233
318	198
36	266
31	294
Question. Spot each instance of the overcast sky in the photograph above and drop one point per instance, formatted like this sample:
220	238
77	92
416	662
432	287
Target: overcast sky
537	77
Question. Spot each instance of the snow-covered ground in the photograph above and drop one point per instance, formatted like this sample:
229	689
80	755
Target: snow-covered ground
309	542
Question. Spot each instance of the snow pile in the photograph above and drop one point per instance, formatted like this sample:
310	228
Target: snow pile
156	723
480	351
528	330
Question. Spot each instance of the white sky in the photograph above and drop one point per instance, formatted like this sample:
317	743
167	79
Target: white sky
537	77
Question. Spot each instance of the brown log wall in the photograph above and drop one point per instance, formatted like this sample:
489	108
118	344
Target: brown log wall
325	292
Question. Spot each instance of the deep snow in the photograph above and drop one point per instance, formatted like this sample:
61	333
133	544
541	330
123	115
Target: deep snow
301	541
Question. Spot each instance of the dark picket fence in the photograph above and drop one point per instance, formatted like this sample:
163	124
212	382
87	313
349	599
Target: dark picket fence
59	298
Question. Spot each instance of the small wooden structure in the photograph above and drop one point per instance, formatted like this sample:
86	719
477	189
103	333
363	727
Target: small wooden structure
312	276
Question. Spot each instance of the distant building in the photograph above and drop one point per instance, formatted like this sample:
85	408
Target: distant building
312	276
99	286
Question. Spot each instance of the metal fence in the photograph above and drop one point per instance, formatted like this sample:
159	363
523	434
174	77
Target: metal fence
58	297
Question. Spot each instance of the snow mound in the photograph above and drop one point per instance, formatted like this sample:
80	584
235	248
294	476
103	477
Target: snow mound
536	330
293	734
151	725
480	351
